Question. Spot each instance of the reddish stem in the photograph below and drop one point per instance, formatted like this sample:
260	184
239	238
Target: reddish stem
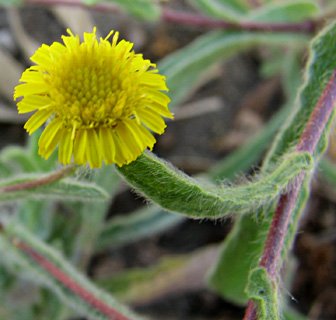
196	20
70	284
283	213
66	171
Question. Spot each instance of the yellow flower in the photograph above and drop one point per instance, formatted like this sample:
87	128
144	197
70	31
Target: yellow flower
101	98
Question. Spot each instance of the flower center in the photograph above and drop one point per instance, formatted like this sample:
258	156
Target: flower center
92	86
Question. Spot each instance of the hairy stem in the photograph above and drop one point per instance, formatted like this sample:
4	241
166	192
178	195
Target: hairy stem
197	20
64	172
282	216
69	283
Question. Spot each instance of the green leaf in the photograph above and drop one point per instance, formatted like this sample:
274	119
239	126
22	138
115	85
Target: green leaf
37	216
142	223
230	274
285	11
65	190
171	274
107	179
27	159
230	10
185	68
264	292
18	157
8	3
18	247
327	170
44	165
320	67
175	191
138	283
5	170
142	9
290	314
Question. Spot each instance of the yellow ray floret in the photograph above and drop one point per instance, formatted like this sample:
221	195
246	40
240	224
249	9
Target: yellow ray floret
102	99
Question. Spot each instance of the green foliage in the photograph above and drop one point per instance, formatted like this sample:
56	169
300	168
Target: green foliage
224	9
235	11
175	191
239	245
141	9
69	188
328	171
142	223
66	221
141	283
17	259
317	75
185	68
263	291
7	3
285	11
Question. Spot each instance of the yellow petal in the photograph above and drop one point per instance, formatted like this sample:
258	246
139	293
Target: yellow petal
32	76
129	140
160	109
156	81
89	38
152	120
158	101
107	144
120	158
80	145
29	88
56	50
37	119
65	147
142	134
46	151
32	102
158	96
71	42
42	56
49	133
132	126
93	152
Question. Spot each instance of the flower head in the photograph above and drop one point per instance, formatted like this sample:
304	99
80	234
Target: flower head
102	100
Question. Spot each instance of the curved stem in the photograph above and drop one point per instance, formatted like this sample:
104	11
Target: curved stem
283	213
196	20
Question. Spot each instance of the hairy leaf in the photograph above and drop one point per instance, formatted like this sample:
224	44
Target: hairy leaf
141	9
175	191
230	10
320	67
285	11
28	256
65	190
264	292
142	223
